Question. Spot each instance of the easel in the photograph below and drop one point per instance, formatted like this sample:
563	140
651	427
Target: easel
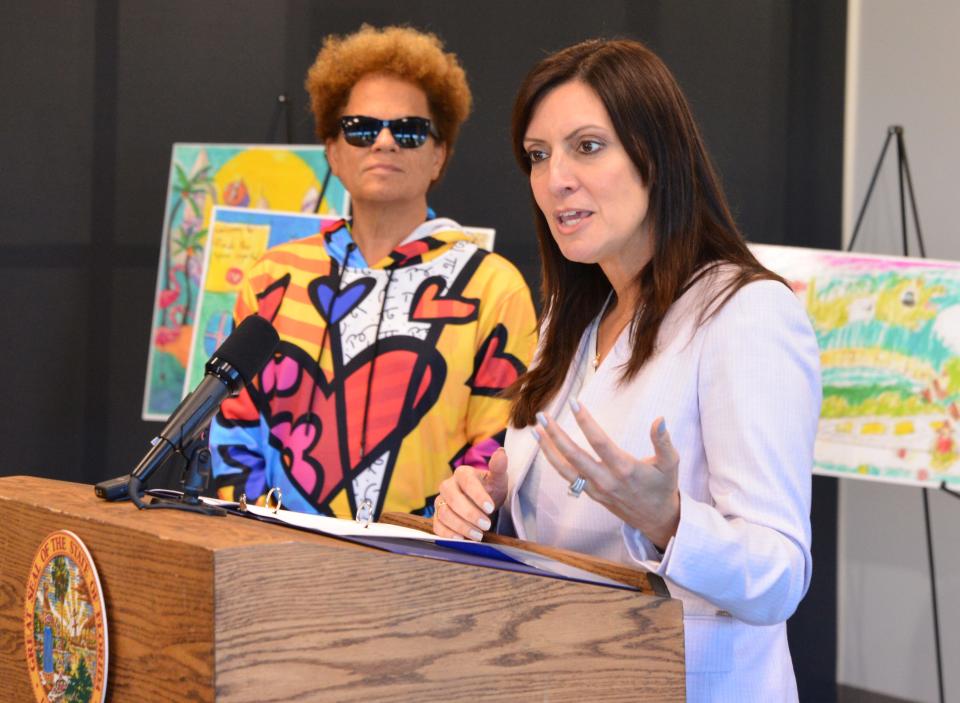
903	171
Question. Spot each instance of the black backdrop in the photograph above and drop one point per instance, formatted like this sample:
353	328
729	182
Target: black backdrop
95	93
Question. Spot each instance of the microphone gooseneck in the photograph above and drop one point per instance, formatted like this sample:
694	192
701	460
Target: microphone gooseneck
235	363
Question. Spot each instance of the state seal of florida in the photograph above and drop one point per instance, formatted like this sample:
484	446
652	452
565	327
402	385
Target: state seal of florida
64	623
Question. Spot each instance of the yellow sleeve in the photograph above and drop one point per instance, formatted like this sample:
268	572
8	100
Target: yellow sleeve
506	342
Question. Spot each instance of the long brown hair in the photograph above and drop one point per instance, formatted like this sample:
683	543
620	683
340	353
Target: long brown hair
688	212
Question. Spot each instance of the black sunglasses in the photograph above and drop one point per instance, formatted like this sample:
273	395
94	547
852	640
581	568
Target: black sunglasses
408	132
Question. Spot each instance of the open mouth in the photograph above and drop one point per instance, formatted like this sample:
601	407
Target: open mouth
572	218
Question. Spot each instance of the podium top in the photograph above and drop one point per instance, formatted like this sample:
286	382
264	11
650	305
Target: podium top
192	529
210	534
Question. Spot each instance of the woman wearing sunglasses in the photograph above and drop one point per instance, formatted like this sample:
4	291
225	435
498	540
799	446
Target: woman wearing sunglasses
397	332
669	417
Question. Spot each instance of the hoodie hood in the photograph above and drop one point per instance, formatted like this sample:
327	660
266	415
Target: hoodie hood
428	241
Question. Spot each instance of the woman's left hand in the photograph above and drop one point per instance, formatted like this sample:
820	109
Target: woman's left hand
641	492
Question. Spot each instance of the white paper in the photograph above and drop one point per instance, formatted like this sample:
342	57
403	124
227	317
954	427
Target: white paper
338	527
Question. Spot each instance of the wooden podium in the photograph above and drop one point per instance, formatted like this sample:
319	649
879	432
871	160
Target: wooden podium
223	608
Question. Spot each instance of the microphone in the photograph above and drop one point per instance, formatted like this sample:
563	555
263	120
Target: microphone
241	357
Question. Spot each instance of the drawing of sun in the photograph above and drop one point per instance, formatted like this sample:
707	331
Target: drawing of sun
264	178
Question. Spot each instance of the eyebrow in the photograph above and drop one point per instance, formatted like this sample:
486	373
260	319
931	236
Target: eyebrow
571	134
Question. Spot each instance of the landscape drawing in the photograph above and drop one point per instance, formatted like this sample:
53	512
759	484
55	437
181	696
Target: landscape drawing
889	335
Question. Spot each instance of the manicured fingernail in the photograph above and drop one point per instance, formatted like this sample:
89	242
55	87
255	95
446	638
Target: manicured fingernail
661	428
476	535
483	523
574	405
542	419
536	435
487	508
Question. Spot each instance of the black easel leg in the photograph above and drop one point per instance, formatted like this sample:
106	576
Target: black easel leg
903	200
873	182
933	592
902	151
323	190
948	491
903	169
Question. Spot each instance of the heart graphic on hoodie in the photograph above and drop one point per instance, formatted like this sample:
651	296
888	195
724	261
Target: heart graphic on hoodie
332	304
407	377
428	305
493	368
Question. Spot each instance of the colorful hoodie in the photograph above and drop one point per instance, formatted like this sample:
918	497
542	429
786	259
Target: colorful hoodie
412	355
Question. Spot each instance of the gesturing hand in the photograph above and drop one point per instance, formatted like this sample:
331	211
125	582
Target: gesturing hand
641	492
469	497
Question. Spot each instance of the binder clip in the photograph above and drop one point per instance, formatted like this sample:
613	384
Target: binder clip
275	494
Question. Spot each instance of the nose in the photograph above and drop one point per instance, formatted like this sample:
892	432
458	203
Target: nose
385	141
561	176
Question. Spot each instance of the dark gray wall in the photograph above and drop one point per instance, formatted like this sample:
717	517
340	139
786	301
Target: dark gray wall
95	93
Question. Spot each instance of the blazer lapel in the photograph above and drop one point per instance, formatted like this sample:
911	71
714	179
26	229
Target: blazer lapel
520	445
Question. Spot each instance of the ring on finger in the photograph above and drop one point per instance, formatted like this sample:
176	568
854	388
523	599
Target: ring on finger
437	504
576	488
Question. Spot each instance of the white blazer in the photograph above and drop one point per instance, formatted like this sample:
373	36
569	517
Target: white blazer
741	398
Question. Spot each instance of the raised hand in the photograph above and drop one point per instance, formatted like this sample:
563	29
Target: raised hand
469	497
641	492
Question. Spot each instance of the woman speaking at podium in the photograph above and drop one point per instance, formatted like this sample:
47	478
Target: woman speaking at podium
669	415
397	332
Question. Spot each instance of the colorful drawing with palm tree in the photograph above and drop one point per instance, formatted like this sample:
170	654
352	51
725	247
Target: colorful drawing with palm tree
889	335
283	178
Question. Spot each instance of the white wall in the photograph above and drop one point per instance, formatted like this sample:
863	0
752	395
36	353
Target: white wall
903	68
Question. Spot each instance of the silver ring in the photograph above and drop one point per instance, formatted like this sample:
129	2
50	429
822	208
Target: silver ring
576	488
365	512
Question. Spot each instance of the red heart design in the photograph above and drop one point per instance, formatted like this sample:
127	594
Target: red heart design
494	369
429	306
311	442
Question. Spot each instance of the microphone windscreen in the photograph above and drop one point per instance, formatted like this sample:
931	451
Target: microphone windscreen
250	346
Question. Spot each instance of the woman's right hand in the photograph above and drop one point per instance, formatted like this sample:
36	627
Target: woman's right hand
469	497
